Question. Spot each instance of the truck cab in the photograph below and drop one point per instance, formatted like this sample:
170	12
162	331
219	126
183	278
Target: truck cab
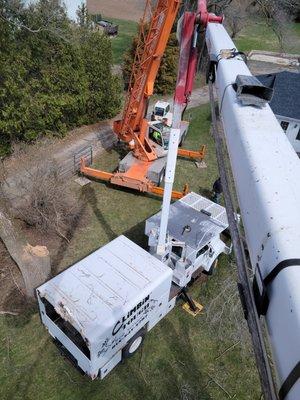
161	112
194	239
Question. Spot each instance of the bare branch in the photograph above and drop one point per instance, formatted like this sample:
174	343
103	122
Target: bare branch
8	313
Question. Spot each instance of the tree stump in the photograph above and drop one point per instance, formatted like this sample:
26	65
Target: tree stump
33	261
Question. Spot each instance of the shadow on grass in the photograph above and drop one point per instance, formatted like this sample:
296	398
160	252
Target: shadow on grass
26	311
183	353
176	378
121	149
91	198
25	379
88	196
62	248
205	192
137	235
135	381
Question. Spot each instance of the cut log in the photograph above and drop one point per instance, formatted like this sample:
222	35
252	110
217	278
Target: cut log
33	261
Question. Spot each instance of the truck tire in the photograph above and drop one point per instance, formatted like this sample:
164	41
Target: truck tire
134	344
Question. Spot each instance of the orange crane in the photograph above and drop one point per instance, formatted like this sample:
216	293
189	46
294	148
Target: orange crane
133	127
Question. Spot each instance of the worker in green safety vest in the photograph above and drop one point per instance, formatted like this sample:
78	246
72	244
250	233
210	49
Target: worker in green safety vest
157	137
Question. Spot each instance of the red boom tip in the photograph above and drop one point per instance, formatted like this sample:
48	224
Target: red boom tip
205	17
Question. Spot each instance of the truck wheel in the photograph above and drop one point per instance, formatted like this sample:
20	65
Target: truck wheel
134	344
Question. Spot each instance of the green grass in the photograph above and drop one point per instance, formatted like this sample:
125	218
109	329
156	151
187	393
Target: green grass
255	36
179	355
258	36
122	42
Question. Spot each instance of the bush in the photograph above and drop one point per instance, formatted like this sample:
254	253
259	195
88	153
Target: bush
167	74
54	74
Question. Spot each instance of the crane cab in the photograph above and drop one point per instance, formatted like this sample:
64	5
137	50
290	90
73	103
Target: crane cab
161	112
159	133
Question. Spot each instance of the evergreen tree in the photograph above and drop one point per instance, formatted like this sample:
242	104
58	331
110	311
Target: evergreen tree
102	85
167	74
54	74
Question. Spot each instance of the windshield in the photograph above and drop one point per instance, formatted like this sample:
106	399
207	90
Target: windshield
159	127
166	144
159	111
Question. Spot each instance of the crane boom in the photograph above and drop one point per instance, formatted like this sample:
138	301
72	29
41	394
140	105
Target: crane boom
266	171
144	166
150	49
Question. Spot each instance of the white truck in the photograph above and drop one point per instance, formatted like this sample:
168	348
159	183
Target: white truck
193	244
162	112
99	310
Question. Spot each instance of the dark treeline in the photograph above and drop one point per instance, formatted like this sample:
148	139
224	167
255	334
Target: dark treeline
167	74
54	74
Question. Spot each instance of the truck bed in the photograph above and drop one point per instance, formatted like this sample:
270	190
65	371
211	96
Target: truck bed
97	291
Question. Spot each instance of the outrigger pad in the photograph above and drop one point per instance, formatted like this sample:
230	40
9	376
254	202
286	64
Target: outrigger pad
186	308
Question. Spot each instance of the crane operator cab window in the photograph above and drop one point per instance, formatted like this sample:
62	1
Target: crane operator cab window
177	251
202	251
159	111
156	135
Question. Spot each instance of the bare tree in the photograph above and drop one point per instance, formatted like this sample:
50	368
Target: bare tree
47	204
33	261
277	14
42	199
236	16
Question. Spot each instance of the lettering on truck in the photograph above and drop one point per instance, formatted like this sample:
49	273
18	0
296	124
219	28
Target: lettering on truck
128	323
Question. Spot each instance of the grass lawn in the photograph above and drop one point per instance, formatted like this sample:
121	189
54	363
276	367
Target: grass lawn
121	43
255	36
182	357
258	36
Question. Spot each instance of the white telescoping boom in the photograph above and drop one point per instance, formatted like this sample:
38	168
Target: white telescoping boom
266	172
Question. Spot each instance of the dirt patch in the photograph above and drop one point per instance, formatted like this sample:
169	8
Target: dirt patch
131	10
